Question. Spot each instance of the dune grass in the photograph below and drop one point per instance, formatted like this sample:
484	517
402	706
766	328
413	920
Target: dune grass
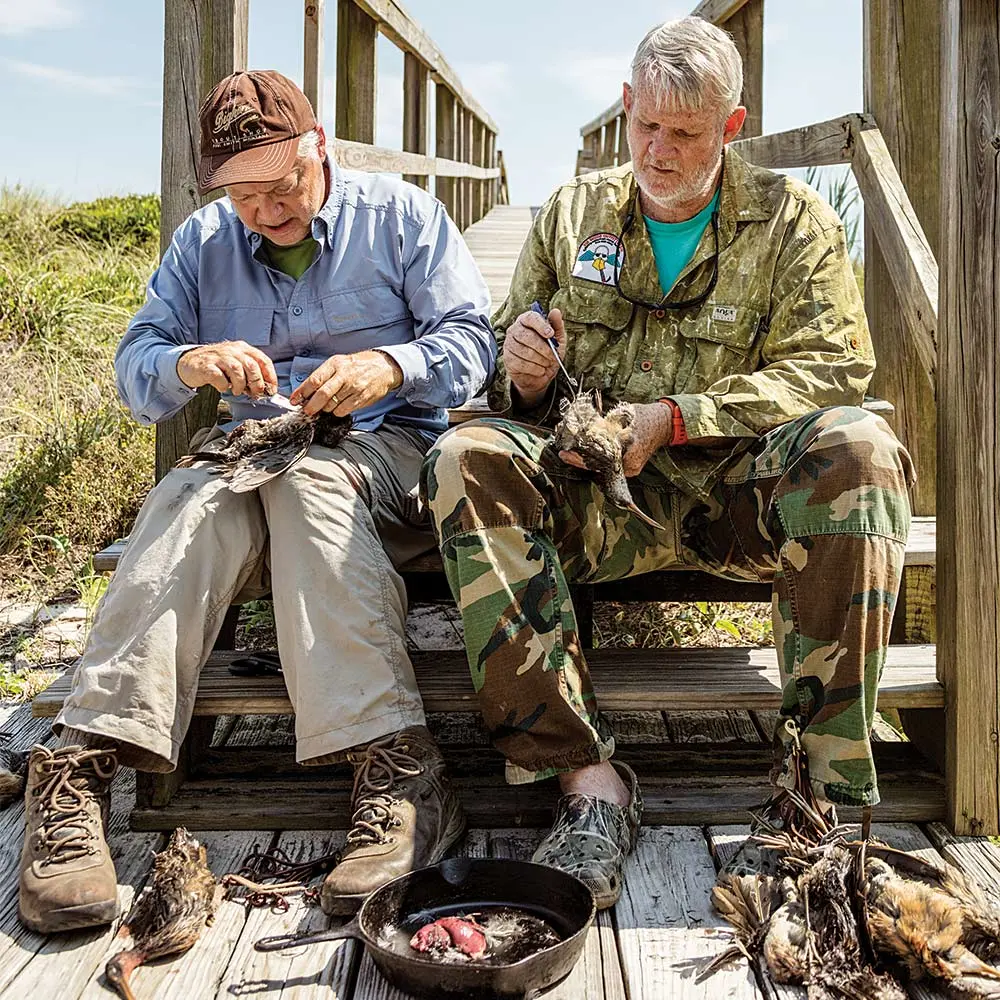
74	466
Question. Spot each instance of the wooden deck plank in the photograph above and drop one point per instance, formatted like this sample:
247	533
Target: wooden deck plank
921	546
666	927
682	679
711	727
495	242
687	783
976	856
300	972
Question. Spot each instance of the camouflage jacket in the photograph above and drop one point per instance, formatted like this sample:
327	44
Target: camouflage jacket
783	332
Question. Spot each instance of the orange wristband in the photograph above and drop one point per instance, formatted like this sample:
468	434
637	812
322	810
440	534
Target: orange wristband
678	434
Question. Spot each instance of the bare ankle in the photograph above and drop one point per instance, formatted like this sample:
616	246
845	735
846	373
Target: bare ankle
599	780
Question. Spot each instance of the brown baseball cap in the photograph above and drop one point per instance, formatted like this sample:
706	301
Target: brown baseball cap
250	125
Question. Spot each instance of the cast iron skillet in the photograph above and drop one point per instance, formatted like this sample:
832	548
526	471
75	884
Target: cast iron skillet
391	914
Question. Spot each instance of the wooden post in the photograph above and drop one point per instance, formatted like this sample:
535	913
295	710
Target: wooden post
586	159
356	91
623	152
460	154
312	51
468	156
444	145
203	41
414	112
492	186
609	139
968	503
747	29
480	186
903	91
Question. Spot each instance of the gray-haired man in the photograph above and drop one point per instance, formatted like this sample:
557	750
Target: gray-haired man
719	300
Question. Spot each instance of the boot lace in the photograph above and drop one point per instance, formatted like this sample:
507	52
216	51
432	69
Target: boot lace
382	765
68	782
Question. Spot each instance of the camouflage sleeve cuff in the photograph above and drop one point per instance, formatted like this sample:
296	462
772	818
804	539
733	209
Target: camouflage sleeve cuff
503	401
703	418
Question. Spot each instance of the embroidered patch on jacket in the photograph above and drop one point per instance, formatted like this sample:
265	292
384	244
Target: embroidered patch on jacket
598	258
727	314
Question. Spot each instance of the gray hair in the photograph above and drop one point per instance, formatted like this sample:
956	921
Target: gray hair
691	64
308	144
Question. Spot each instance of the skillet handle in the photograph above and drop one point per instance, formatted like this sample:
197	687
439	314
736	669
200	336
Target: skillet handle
352	929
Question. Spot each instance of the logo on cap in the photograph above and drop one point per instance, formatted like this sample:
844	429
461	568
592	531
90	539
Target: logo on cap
243	124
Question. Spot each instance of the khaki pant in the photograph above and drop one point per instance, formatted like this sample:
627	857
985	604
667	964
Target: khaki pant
325	538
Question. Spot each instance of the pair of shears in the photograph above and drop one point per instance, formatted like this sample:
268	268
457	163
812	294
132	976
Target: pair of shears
551	341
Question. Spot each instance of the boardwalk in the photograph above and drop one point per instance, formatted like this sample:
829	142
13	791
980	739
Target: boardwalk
495	242
649	947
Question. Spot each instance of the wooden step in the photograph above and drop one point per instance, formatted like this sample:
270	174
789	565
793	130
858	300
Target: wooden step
693	679
681	784
920	551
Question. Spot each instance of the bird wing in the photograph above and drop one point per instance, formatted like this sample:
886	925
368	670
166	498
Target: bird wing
254	470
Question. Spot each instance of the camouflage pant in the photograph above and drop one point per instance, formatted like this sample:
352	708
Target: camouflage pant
817	506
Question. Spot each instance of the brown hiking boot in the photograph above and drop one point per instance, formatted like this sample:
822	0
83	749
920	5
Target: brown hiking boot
406	816
67	876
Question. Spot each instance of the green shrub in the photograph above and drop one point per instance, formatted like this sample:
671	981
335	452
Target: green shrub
128	220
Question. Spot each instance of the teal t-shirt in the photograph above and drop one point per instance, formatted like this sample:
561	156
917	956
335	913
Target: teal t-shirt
674	243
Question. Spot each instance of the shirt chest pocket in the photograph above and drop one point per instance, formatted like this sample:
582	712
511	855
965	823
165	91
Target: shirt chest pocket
362	309
719	341
596	321
252	325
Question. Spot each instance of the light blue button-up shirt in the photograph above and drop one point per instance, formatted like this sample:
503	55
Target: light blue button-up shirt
392	273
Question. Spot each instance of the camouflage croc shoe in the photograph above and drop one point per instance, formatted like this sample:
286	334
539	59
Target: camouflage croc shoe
591	838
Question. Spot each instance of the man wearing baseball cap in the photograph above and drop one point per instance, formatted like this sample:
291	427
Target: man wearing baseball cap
346	292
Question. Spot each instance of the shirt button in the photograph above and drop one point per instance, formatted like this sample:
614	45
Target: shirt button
659	313
646	366
297	311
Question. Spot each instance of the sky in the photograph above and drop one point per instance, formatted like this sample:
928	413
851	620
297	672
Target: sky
82	78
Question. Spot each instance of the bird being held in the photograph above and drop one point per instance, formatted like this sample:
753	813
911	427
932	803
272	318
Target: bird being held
259	450
171	912
600	439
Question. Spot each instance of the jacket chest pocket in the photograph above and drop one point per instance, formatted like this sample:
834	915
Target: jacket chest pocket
252	325
596	321
719	341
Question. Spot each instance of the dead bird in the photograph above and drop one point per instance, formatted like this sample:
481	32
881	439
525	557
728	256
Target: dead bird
259	450
600	439
170	914
855	918
13	774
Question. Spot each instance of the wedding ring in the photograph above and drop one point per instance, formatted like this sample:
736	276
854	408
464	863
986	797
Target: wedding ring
335	400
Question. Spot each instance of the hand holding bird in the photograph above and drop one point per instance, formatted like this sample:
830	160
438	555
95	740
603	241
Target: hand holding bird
348	382
259	450
593	440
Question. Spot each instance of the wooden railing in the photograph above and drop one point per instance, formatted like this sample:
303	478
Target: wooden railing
465	163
